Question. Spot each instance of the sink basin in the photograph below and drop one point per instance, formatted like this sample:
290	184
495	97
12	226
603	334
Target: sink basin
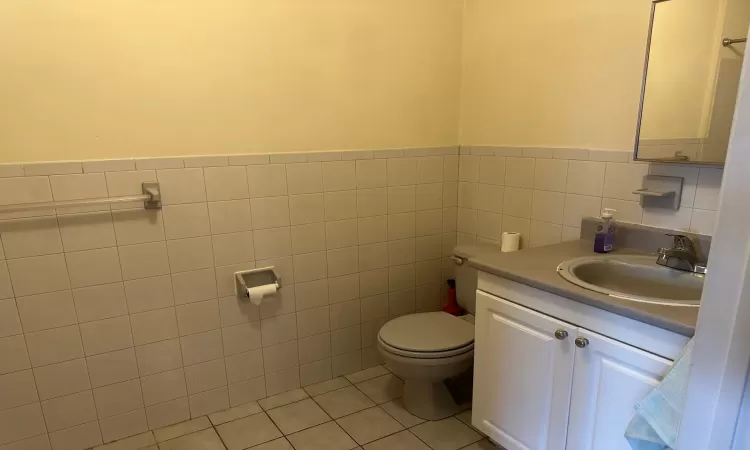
635	278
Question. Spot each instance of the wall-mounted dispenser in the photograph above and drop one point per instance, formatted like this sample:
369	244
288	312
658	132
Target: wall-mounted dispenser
256	284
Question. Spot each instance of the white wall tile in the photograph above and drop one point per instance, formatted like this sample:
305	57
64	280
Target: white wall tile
401	199
586	178
17	389
346	363
430	169
345	314
270	212
247	391
163	387
305	209
466	221
663	218
372	202
468	169
82	436
128	183
205	376
21	423
401	226
267	180
339	176
93	267
40	442
709	187
24	274
87	231
343	288
53	346
342	233
703	222
450	194
543	233
144	260
10	322
401	171
571	234
622	179
201	347
429	247
372	229
30	237
280	357
233	248
118	398
548	206
6	289
429	222
571	153
345	340
244	366
226	183
44	311
340	205
24	190
314	348
52	168
108	165
551	174
159	357
310	266
519	172
313	321
76	187
195	286
146	294
272	243
13	355
467	195
234	311
106	335
311	294
153	326
401	252
489	225
429	196
579	206
189	220
304	178
490	198
343	261
517	202
100	302
57	380
371	173
283	381
112	367
373	282
181	186
627	211
198	317
124	425
138	226
248	160
230	216
190	254
159	163
69	411
243	338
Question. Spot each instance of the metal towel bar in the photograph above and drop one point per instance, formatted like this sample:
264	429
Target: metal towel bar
151	199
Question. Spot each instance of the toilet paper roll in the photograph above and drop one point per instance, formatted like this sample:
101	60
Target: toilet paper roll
511	242
257	293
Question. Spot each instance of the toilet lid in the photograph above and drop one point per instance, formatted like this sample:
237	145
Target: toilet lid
427	332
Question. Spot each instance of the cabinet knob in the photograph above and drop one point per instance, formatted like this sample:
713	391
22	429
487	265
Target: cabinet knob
561	334
582	342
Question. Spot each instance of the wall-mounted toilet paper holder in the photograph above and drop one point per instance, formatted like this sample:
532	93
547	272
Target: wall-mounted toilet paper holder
254	278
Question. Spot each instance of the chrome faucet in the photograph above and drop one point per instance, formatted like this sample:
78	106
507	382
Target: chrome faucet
682	256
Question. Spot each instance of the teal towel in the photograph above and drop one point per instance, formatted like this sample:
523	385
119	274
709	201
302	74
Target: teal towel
657	417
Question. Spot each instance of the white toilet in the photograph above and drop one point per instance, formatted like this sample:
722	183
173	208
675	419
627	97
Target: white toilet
425	349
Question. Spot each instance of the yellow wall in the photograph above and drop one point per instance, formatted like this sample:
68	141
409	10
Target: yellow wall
100	79
553	73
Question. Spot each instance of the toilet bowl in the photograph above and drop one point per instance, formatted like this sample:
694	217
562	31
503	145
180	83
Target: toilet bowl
425	349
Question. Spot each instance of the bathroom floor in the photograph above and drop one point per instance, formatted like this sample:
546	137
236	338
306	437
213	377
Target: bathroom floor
361	410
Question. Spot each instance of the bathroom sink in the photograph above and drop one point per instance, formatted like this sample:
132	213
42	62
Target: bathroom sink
633	277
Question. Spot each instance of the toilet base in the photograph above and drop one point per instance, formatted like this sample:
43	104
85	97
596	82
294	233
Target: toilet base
430	401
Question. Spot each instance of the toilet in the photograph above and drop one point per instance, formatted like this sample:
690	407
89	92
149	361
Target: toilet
425	349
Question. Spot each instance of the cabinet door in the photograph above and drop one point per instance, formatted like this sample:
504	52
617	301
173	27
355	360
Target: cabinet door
522	375
610	378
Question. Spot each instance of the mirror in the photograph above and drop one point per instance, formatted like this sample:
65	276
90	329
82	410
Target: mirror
690	82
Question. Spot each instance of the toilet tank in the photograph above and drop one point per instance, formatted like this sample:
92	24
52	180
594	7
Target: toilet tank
465	275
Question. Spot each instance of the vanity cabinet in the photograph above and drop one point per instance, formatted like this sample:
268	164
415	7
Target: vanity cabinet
541	383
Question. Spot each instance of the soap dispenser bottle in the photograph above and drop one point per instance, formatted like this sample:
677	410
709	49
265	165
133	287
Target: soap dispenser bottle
605	232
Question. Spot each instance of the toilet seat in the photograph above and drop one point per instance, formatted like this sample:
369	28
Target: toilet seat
427	336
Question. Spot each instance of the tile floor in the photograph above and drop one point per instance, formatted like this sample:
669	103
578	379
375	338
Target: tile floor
360	411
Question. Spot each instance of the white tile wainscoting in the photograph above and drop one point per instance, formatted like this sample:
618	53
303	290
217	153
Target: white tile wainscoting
543	193
118	320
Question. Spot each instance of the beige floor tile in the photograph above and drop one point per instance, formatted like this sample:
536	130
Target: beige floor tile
382	389
182	428
235	413
367	374
327	386
484	444
278	444
396	409
202	440
298	416
446	434
282	399
465	417
399	441
328	436
369	425
344	402
248	431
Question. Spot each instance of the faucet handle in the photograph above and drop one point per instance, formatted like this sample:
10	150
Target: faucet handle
681	241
